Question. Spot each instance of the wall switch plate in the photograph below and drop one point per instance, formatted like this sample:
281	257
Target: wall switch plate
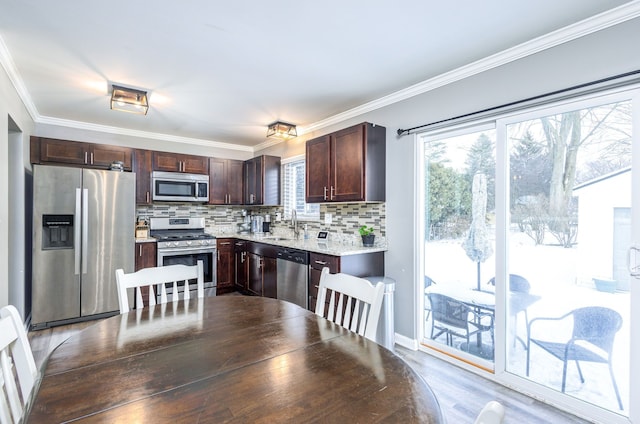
328	219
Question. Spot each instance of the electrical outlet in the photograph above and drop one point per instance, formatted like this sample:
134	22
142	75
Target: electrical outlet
328	219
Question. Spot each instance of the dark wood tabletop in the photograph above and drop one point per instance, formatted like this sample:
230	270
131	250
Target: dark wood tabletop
227	359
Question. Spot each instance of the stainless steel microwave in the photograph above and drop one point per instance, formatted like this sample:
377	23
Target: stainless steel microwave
179	187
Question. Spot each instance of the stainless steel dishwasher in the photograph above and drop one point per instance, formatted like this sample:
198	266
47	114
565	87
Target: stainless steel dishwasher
292	276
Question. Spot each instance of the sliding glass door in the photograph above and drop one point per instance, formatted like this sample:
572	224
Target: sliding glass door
569	234
529	226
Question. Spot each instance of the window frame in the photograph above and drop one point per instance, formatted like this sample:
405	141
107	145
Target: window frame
311	211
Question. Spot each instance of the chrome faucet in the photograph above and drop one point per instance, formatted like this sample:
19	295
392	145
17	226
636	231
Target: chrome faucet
294	222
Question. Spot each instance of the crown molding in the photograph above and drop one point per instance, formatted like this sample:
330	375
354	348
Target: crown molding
588	26
142	134
585	27
12	72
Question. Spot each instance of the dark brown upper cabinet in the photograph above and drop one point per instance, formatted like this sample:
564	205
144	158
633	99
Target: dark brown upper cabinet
225	181
262	181
52	151
347	165
177	162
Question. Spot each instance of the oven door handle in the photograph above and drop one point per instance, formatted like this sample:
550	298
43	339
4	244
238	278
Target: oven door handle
186	251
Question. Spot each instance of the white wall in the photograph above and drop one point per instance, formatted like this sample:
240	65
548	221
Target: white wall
13	145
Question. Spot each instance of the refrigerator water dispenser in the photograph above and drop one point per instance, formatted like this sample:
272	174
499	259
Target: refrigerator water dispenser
57	232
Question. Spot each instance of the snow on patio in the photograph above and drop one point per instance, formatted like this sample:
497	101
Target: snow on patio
551	270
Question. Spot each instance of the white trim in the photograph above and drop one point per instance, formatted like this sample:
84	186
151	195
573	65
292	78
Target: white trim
292	159
406	342
585	27
142	134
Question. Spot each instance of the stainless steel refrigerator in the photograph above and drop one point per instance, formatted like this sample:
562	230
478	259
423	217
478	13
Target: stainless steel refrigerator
83	230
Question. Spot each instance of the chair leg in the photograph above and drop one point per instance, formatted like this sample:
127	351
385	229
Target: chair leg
615	386
580	372
564	374
528	354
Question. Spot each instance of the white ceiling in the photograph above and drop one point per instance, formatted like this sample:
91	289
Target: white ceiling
219	72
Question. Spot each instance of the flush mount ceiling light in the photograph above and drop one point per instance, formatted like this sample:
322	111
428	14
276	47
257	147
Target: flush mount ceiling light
282	130
129	100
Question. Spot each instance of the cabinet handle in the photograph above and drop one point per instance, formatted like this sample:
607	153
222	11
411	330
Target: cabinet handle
148	197
218	254
225	243
325	193
260	264
140	250
321	262
86	155
91	158
332	190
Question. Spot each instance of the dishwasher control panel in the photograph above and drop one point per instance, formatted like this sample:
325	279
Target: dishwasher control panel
293	255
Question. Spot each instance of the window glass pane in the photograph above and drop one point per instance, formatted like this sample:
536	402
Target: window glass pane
459	243
293	192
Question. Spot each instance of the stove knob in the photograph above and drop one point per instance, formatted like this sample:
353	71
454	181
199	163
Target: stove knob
204	242
188	242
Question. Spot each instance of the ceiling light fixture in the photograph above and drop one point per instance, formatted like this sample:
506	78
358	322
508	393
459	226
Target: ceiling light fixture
129	100
282	130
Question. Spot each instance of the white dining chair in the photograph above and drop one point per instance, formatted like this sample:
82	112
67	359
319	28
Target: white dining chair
157	280
492	413
354	303
16	384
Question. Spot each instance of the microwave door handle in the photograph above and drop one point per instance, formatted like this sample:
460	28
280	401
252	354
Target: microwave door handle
85	228
76	234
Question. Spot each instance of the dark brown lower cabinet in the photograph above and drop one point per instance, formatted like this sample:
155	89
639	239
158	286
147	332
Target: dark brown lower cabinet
362	265
241	266
225	266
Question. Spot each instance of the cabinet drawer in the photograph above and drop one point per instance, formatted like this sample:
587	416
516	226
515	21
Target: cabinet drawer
319	261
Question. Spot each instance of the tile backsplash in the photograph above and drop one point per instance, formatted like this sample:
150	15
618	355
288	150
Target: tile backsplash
346	218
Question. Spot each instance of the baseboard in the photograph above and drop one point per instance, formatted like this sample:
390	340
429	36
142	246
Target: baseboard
406	342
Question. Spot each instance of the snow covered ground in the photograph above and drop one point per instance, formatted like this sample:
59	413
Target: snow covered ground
551	270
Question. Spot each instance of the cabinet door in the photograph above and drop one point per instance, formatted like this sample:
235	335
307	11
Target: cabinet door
317	170
63	151
142	168
318	261
255	273
234	182
101	156
250	182
242	266
225	265
195	164
145	255
269	277
166	161
217	181
347	165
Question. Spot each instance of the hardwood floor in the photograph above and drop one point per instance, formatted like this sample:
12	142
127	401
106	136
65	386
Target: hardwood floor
461	394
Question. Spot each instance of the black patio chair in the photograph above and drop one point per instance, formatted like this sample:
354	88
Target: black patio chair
427	283
455	318
517	284
593	327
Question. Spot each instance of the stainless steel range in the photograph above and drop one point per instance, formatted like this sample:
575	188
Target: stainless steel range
182	240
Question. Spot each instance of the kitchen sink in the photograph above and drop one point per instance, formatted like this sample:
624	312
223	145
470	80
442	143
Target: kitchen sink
275	238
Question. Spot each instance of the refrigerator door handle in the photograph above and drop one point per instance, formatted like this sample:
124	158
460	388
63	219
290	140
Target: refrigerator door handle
76	233
85	228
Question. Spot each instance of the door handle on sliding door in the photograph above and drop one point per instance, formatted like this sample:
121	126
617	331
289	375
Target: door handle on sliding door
632	261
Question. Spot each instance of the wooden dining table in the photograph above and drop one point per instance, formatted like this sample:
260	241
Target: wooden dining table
227	359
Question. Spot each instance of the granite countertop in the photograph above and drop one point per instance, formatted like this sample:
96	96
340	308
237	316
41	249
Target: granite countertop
311	245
